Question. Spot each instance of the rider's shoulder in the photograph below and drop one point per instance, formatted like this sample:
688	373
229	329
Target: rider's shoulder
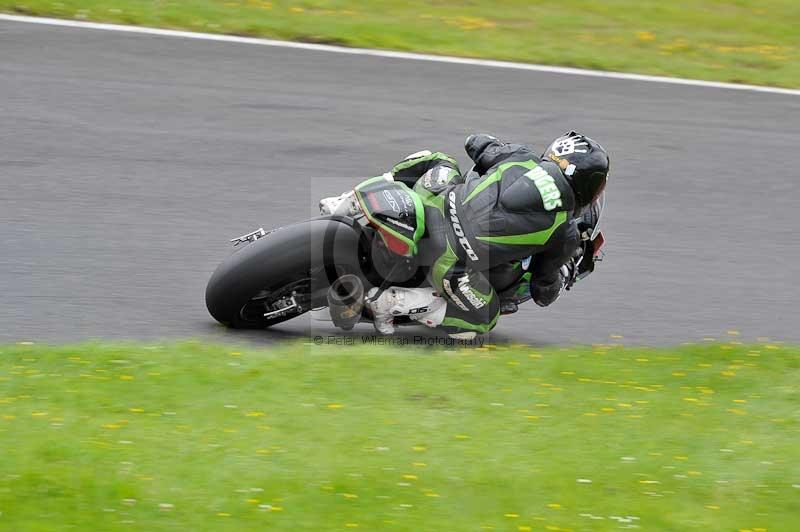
542	187
558	180
514	155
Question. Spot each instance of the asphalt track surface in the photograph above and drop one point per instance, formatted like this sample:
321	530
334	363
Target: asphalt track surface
128	161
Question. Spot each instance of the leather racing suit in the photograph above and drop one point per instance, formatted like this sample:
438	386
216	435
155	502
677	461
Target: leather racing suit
513	206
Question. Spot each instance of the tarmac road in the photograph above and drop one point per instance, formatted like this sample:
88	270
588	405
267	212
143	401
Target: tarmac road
128	161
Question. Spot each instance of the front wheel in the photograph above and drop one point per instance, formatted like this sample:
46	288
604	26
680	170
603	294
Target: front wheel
282	275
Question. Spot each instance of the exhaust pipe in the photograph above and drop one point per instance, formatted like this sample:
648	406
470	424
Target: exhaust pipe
345	301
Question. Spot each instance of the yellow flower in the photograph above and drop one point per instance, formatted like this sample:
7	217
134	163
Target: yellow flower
471	23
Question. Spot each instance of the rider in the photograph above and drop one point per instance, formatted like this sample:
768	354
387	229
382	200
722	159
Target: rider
514	205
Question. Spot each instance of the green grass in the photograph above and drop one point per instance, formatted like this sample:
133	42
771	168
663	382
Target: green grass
298	437
754	41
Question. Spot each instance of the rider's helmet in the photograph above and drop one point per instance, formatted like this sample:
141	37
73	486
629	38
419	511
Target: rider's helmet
584	163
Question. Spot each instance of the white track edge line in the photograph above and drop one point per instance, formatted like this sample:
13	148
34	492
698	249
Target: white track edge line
396	55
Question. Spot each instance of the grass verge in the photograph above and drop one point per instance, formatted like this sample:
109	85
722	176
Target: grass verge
752	41
194	437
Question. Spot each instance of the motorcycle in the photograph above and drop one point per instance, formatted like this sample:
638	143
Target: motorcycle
331	261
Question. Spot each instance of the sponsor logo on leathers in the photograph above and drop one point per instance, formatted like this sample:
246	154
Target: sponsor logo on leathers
456	223
551	196
465	288
453	297
440	174
426	179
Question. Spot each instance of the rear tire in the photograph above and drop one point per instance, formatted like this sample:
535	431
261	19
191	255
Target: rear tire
313	250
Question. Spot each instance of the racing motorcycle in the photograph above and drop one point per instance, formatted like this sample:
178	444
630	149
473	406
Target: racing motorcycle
331	261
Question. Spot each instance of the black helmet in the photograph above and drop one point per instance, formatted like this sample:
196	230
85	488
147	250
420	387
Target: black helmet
584	163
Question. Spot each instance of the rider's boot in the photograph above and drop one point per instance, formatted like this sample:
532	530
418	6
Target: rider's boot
344	205
419	304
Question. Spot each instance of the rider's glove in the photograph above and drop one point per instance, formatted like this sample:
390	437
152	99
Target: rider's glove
475	146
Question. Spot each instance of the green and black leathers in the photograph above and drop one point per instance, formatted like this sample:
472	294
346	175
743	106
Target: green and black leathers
511	207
